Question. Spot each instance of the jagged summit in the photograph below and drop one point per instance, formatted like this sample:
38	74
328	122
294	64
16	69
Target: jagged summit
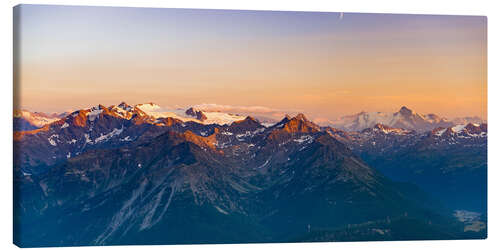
198	114
298	124
123	105
248	124
301	116
248	119
405	111
153	113
242	178
283	121
404	118
251	118
463	130
193	110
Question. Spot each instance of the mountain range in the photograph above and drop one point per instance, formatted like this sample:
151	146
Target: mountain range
450	163
144	175
405	118
25	120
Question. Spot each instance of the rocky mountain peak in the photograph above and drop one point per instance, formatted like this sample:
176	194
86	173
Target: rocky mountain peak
405	111
301	117
198	114
247	124
125	106
299	124
247	120
283	121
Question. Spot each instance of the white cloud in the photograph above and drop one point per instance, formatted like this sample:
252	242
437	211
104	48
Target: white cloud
260	112
229	108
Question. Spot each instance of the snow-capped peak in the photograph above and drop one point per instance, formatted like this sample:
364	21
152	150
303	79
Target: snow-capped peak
458	128
190	114
36	119
462	130
95	112
406	111
405	118
125	106
198	114
149	107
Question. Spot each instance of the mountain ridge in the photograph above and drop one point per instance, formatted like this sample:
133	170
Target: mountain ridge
145	187
405	118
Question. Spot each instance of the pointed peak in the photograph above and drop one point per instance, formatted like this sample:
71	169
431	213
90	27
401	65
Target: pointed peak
192	111
301	117
299	123
123	104
248	121
247	124
285	119
250	118
405	111
404	108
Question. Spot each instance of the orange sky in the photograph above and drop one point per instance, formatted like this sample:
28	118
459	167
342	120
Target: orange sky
318	63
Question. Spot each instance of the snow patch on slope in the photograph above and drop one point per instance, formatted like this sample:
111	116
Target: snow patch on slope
458	128
52	141
304	138
94	113
109	135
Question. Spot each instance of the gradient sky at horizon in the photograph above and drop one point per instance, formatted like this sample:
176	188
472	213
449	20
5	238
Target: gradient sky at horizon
323	64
